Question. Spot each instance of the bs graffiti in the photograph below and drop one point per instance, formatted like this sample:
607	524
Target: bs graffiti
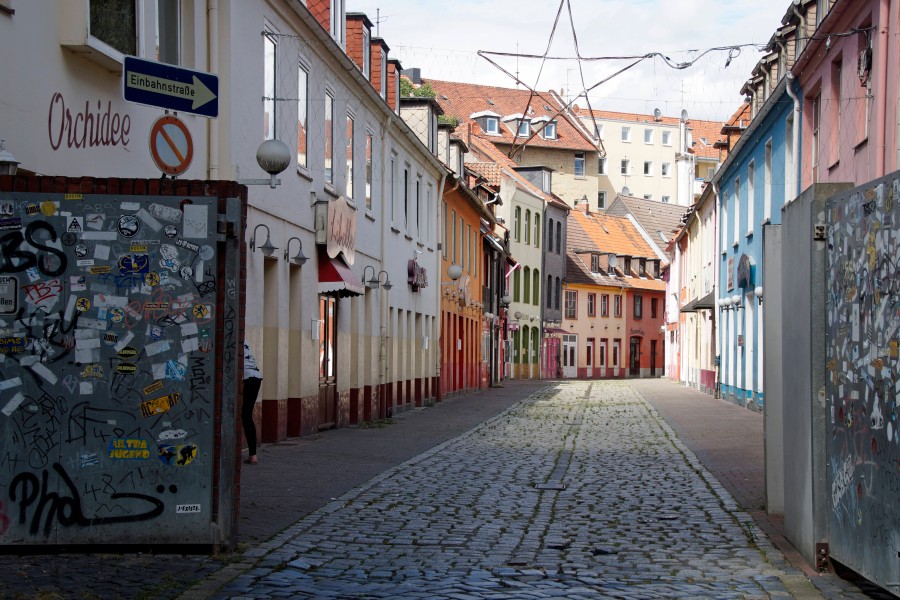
14	258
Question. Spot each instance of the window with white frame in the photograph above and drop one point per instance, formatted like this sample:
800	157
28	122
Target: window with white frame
626	134
351	154
648	167
665	169
524	127
579	164
338	18
270	47
648	196
168	31
751	199
329	138
368	170
571	304
302	115
406	184
383	82
367	53
601	166
601	200
491	125
599	130
667	138
419	213
393	187
737	209
648	136
625	167
666	199
549	131
114	22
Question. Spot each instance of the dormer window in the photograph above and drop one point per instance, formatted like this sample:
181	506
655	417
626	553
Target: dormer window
524	129
549	131
489	121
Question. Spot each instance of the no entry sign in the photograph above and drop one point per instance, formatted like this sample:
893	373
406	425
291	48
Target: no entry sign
171	145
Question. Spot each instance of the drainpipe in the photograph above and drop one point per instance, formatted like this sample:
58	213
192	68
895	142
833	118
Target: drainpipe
383	332
718	289
212	61
791	194
881	56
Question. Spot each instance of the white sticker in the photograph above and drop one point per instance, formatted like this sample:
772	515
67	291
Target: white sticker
184	509
13	404
99	235
195	221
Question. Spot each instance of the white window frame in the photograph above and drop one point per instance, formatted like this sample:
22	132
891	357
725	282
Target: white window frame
350	153
492	125
751	193
601	200
626	134
549	131
270	82
666	138
367	53
599	129
665	169
601	166
370	164
329	149
175	8
303	113
524	128
648	136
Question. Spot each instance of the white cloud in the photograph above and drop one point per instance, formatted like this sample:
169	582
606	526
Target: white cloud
442	38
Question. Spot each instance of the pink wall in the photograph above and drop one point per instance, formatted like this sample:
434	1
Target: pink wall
855	145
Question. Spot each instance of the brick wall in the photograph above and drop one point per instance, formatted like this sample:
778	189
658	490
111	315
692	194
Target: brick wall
355	27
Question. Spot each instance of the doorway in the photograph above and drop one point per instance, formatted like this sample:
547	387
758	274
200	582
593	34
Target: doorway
634	357
327	361
569	354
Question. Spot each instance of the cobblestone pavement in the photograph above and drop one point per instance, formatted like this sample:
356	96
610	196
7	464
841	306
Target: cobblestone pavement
580	491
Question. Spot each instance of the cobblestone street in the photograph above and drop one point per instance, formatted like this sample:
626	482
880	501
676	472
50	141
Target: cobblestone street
581	490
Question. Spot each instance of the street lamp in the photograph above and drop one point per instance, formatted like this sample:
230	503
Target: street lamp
8	162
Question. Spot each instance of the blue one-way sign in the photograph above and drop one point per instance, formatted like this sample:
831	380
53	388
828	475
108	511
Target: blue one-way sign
170	87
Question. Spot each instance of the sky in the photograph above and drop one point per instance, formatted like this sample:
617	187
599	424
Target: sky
443	38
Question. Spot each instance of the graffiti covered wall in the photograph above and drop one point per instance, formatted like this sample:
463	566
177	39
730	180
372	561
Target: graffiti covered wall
863	379
108	308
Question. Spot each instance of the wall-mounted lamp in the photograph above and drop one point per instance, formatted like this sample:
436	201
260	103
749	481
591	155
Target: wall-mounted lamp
314	328
758	292
736	302
299	258
267	248
374	282
505	300
8	162
517	315
274	157
725	303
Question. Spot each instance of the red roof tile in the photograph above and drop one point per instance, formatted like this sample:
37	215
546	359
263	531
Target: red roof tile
462	100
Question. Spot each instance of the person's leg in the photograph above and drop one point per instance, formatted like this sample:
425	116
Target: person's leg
251	391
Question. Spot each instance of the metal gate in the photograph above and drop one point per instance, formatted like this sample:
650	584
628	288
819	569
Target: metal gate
111	334
863	379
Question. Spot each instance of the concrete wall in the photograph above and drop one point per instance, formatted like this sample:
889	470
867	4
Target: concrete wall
565	184
803	341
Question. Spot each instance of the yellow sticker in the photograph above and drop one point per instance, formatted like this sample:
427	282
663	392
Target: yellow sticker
48	208
83	304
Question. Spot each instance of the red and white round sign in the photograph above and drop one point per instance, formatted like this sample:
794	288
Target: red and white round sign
171	145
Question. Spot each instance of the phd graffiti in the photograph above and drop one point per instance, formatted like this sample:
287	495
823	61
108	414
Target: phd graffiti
36	499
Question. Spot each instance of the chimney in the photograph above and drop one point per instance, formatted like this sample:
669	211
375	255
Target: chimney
380	52
393	87
356	22
321	10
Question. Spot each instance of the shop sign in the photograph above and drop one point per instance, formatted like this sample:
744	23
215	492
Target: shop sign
416	276
730	273
341	230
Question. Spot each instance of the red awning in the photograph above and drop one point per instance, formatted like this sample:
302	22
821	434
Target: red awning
336	278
